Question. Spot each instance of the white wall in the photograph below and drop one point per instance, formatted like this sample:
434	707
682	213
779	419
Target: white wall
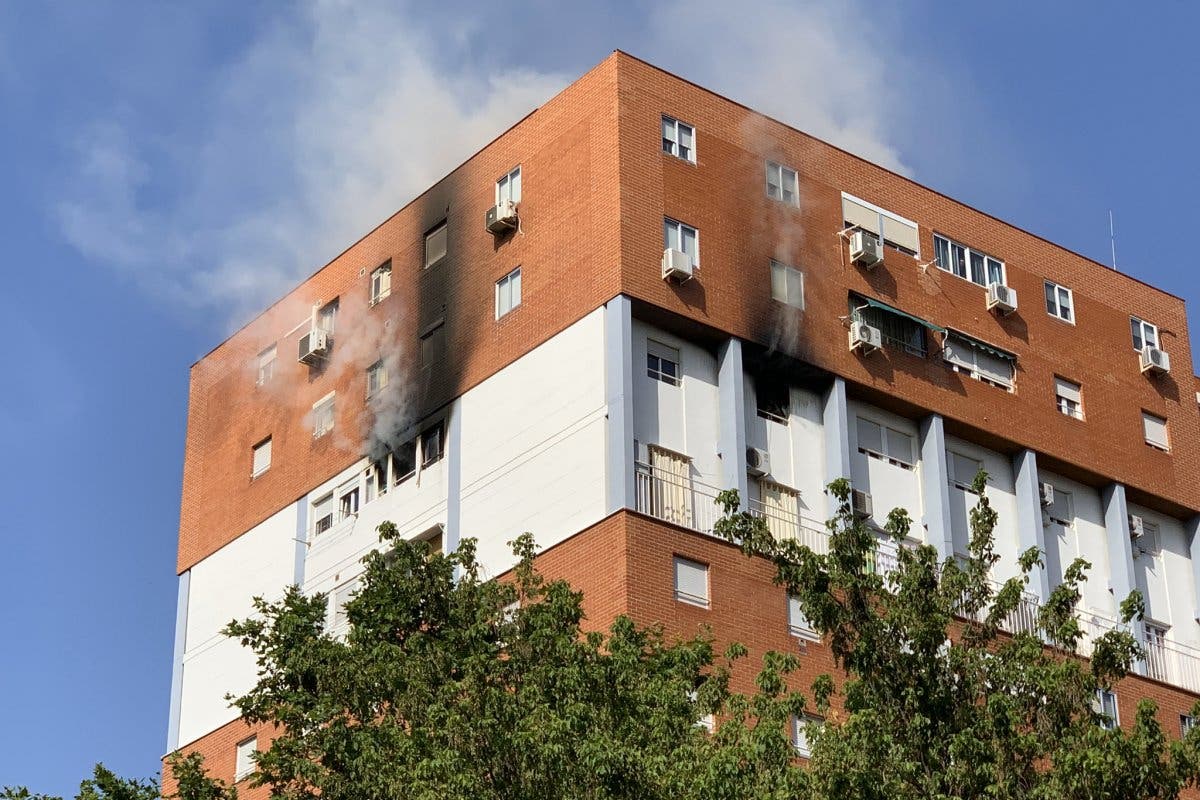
890	486
797	448
1001	494
1165	578
260	562
682	418
1087	538
533	445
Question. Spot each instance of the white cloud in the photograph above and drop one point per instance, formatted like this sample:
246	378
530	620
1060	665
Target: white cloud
331	120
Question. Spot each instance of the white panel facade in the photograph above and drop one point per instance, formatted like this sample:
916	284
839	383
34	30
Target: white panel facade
260	562
1001	494
533	445
891	485
1077	531
796	448
1163	572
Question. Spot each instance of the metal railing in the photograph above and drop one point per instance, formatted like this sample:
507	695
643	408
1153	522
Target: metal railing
693	504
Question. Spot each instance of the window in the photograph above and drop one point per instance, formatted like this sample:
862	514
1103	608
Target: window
1069	397
431	445
1156	651
1155	429
962	469
377	377
798	624
323	514
327	316
433	344
404	464
774	399
1059	302
783	184
665	486
342	595
509	188
323	416
787	285
979	360
662	362
706	721
1062	510
347	495
960	260
887	444
780	509
1105	705
685	238
508	293
1144	334
244	762
262	458
381	282
800	726
435	244
266	366
678	139
691	582
1186	723
896	328
895	230
434	538
1148	543
377	478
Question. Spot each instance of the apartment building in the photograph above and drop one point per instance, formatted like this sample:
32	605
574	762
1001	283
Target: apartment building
643	293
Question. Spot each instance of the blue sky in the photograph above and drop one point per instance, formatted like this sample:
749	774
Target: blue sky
169	168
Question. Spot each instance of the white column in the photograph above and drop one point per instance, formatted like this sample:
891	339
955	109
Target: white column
731	387
935	486
1030	531
618	393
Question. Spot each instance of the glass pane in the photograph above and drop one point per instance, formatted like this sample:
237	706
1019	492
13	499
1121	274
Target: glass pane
689	241
515	185
515	285
685	137
995	271
670	235
941	252
899	446
870	435
976	268
668	129
958	260
779	282
795	288
1051	299
1064	304
1135	326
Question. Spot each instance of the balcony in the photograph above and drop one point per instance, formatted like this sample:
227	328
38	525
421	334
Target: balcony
692	504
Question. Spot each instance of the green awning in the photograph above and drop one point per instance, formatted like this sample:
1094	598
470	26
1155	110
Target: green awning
984	346
889	309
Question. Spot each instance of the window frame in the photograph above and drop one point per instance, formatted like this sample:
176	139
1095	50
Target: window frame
1186	723
514	298
956	480
968	261
679	227
319	409
380	276
1049	287
243	759
884	453
879	230
1109	722
327	316
805	632
265	365
972	370
681	596
505	183
1143	326
800	723
777	390
435	432
320	525
655	361
1147	417
378	369
788	276
256	471
780	172
1064	402
441	228
675	143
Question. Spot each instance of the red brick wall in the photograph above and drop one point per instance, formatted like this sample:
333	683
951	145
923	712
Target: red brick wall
723	195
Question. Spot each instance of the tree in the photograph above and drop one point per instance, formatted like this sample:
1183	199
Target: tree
934	699
103	785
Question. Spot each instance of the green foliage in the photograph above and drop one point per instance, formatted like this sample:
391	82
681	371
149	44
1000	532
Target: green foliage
933	699
103	785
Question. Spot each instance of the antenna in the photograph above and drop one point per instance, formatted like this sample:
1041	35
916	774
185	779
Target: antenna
1112	237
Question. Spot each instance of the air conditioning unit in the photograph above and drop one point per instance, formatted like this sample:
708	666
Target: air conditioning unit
864	337
860	504
1046	493
758	461
676	265
1137	527
501	218
1002	297
1155	360
314	346
865	249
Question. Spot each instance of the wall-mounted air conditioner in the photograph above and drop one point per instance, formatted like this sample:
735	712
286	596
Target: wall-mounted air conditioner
676	265
1046	493
860	504
501	218
1002	298
864	337
314	346
758	461
1155	360
866	250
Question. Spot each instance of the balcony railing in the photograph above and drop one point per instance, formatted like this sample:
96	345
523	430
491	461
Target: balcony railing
693	504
